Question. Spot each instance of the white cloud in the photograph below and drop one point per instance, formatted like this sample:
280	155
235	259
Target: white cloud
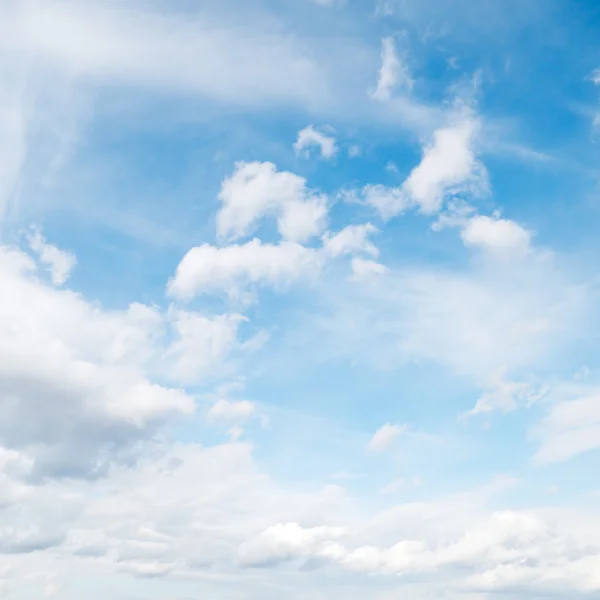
256	190
476	323
214	508
59	263
448	167
523	545
310	137
388	201
209	269
384	436
75	395
393	72
572	426
289	541
353	239
363	268
134	45
505	396
302	220
496	235
231	410
201	345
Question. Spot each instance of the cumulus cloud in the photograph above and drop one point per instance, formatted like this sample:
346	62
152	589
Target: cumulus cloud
353	239
212	507
448	167
496	235
310	137
384	436
393	72
289	541
520	543
256	190
74	377
210	269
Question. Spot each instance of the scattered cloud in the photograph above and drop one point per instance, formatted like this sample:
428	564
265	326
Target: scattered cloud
353	239
209	269
256	190
310	137
107	467
393	72
506	396
384	436
496	235
59	263
448	168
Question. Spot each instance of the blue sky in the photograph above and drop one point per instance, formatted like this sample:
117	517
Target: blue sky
299	299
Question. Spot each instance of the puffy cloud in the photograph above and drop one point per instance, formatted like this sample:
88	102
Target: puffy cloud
70	375
289	541
393	72
496	235
448	167
353	239
384	436
59	263
311	137
506	539
74	382
256	190
301	220
213	502
210	269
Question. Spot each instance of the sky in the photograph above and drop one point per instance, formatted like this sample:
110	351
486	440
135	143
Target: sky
299	299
